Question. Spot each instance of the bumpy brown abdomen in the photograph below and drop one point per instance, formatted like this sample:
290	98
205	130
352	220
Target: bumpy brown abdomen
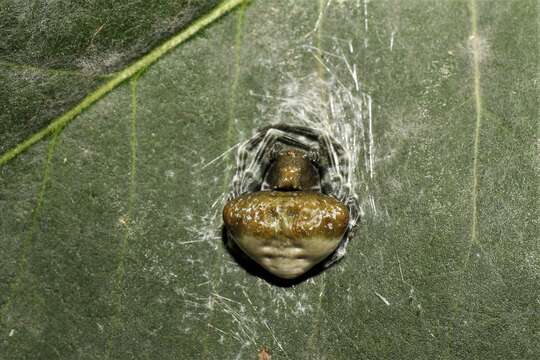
286	232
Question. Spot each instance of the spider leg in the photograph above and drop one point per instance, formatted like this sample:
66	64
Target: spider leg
340	173
309	133
338	160
246	149
297	136
242	161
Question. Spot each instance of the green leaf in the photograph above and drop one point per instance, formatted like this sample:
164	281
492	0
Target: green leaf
53	53
110	229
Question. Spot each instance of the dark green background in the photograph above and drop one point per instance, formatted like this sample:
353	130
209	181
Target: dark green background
110	247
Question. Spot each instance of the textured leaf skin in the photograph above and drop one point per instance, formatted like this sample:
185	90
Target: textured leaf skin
52	53
121	257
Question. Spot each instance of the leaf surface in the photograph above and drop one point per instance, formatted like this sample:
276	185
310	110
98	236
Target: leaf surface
111	243
53	53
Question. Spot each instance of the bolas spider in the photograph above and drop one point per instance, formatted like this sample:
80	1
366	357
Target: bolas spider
291	207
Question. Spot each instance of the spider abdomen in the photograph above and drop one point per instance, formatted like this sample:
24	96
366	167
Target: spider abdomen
287	233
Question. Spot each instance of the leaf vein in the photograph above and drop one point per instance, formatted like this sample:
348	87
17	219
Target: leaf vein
120	271
231	117
477	127
36	212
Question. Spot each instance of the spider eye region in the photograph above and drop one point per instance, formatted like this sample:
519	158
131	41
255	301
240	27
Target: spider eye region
287	233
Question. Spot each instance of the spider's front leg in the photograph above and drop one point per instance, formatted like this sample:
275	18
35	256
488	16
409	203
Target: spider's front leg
338	167
242	161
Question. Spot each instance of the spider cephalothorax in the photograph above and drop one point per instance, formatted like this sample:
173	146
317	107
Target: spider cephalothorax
291	207
292	169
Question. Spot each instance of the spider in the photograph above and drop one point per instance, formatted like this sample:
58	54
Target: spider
291	206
